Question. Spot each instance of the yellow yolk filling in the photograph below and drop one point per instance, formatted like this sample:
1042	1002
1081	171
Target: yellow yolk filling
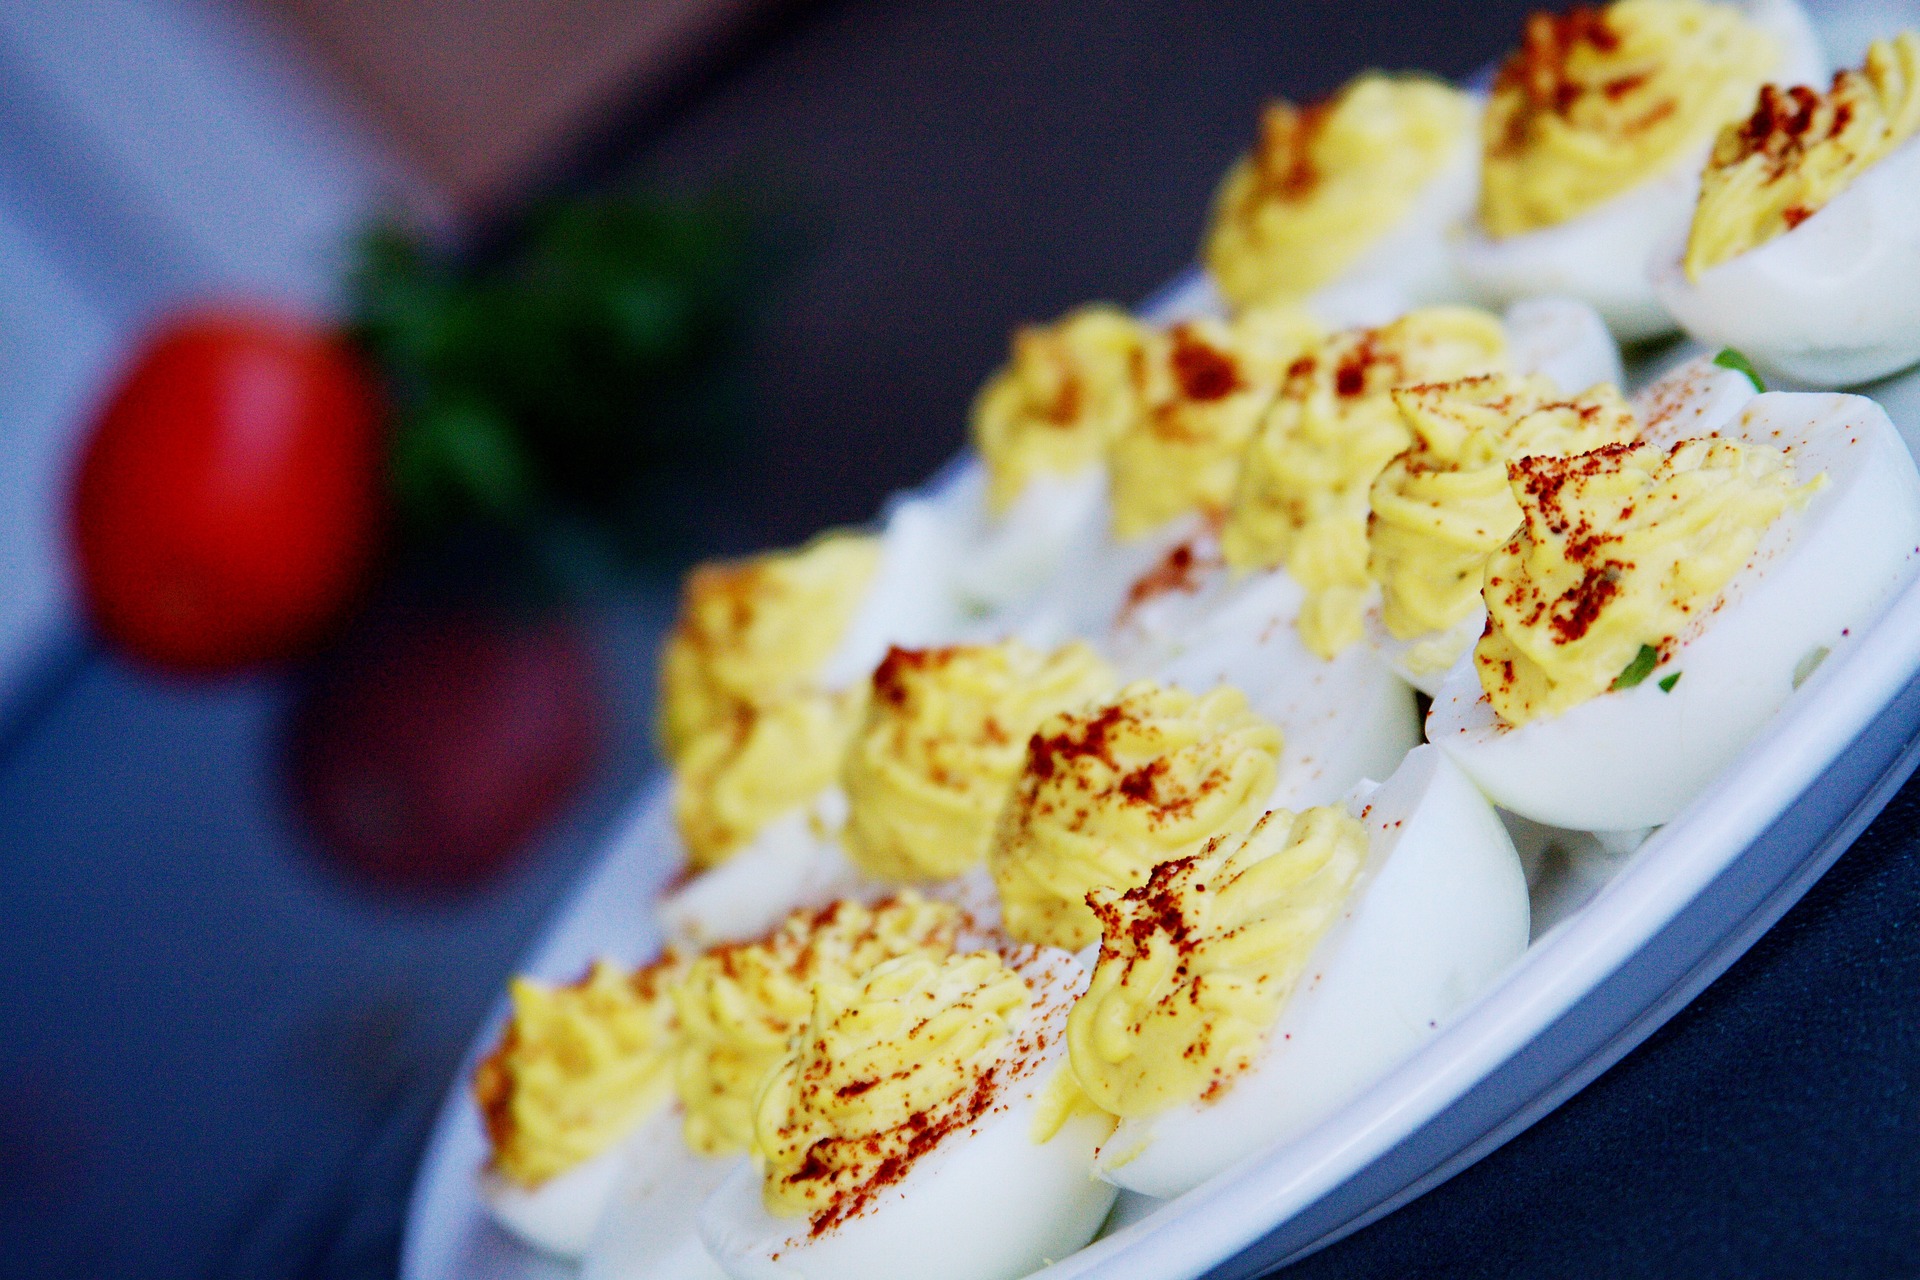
1196	963
1596	102
577	1068
1623	548
736	776
739	1005
1799	149
1442	507
889	1063
945	735
752	631
1202	388
1062	398
1111	791
1301	500
1327	180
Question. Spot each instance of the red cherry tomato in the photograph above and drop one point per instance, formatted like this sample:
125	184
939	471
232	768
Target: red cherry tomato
432	751
228	503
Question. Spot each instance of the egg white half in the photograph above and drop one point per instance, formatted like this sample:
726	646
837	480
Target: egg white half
912	601
794	861
557	1217
1635	757
1831	302
1438	911
1003	560
647	1231
1563	338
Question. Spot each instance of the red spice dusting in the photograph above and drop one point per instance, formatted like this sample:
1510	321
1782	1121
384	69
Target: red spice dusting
893	677
1285	154
1621	86
1785	124
851	1189
1579	608
1150	909
1795	214
1089	736
1138	785
1538	69
1350	377
1781	117
1179	570
1204	373
1064	411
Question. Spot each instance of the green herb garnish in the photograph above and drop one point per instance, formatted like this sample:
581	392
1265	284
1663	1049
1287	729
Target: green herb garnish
579	391
1809	663
1666	685
1731	359
1639	669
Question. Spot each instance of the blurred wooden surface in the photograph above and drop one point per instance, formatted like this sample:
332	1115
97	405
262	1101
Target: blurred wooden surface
482	94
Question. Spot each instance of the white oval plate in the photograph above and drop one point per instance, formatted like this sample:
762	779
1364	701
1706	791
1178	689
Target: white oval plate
1612	969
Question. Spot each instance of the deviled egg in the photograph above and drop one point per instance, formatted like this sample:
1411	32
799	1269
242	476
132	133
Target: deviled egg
1301	495
1594	135
762	685
1346	206
1806	238
944	738
1112	789
1244	992
736	1007
1664	598
1041	426
578	1069
922	1095
1443	506
1301	479
1204	385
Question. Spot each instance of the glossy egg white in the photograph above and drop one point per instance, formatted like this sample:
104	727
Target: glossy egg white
1089	598
1001	561
1821	574
1564	339
911	601
1341	720
1438	912
647	1230
794	861
559	1216
986	1203
1830	303
1601	256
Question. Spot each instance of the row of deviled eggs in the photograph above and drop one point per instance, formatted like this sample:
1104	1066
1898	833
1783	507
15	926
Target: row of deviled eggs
1033	849
1673	163
1005	817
